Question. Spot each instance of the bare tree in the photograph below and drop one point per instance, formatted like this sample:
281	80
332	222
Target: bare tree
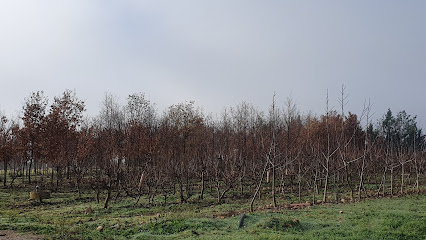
112	123
7	142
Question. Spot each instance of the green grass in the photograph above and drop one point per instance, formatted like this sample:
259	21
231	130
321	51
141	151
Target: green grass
63	216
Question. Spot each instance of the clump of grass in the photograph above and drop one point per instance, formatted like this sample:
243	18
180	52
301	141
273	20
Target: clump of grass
280	224
168	226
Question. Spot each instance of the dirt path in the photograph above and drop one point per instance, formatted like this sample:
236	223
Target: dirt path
10	235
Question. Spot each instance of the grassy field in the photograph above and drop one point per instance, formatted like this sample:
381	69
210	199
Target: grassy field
63	216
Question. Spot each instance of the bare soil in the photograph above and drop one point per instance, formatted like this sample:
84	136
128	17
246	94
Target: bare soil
11	235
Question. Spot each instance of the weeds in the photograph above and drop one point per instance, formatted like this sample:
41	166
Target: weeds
64	216
279	224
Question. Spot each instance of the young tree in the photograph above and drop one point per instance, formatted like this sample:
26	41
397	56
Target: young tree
270	151
6	143
61	127
82	161
140	142
402	138
34	113
111	136
184	120
291	143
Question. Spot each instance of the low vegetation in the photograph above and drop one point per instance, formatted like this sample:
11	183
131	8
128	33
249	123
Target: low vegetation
67	217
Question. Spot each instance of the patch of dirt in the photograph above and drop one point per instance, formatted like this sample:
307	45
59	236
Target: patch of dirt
11	235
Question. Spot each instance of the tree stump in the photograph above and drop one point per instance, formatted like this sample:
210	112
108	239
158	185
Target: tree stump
34	195
39	195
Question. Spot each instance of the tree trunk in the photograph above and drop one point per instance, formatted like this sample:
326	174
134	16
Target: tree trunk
274	199
348	180
58	174
300	188
391	181
324	199
223	194
51	179
108	197
202	185
218	190
315	187
149	194
383	183
361	183
188	187
35	167
5	173
241	186
402	179
78	188
182	198
29	172
268	176
98	192
299	181
258	187
417	182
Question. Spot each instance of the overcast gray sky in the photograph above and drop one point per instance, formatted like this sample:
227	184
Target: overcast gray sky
217	53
